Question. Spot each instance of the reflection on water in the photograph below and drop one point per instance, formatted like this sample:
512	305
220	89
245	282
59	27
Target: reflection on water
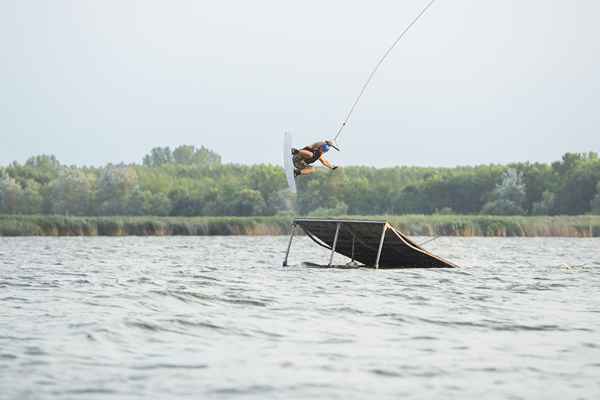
220	318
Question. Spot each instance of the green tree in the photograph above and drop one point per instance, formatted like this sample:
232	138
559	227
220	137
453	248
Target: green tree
356	194
545	205
43	169
206	157
43	162
30	199
10	191
114	187
568	162
595	203
143	202
340	209
412	200
157	204
184	154
190	155
508	197
578	184
185	202
248	202
192	181
540	181
136	201
71	193
269	181
158	156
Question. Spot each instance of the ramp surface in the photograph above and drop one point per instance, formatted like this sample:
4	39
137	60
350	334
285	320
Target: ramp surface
361	240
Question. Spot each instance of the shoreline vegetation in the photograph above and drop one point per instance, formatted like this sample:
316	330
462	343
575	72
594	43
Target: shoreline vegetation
193	182
414	225
189	191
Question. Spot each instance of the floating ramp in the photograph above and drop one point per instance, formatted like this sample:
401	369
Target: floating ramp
373	243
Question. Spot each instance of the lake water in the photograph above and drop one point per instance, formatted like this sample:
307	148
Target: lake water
218	317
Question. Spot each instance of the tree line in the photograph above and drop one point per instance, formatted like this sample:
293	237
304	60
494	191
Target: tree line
191	181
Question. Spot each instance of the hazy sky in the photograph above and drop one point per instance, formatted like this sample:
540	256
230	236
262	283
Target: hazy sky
473	82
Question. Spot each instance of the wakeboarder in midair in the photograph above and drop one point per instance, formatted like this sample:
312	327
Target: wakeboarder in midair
303	158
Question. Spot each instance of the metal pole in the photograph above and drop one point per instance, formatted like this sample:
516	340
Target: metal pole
380	246
287	253
335	239
353	240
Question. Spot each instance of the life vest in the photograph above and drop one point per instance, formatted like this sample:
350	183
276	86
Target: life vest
315	149
317	153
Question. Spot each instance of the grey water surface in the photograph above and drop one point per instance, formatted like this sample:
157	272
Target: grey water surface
218	317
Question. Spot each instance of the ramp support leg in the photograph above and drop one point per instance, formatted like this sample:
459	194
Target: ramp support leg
335	239
380	246
353	240
287	253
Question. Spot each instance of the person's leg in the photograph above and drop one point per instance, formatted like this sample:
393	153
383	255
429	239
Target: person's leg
299	164
308	171
305	154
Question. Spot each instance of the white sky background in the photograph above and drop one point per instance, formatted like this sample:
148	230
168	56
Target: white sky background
474	81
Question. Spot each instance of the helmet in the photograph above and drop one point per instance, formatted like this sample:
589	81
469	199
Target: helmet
325	147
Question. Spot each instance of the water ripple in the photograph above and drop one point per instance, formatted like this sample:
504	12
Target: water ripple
218	317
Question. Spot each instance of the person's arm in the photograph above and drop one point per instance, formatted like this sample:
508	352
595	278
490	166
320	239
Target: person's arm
327	163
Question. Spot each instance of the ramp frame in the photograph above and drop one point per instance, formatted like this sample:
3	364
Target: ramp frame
375	244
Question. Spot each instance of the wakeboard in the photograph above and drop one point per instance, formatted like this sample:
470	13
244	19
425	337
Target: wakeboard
288	164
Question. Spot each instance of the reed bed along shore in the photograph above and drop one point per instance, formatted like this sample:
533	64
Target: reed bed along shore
418	225
42	225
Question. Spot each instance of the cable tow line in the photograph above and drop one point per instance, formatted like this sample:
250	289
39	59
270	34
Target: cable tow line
429	241
381	60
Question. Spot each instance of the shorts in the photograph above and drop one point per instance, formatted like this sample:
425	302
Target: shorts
299	162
